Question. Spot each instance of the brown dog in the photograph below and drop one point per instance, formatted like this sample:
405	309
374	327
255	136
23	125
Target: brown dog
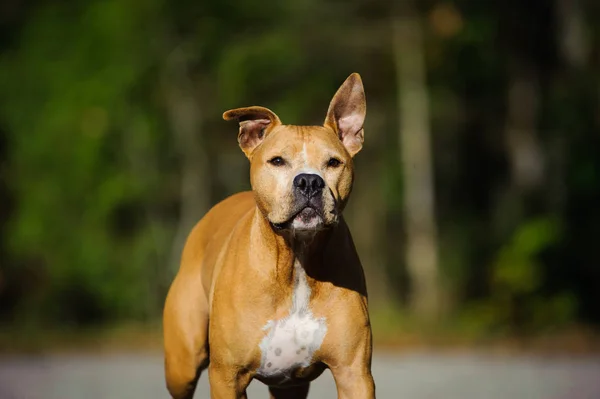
270	284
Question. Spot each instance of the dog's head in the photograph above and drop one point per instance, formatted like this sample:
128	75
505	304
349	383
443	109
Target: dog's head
302	175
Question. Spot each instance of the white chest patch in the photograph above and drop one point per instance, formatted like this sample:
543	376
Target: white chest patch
291	342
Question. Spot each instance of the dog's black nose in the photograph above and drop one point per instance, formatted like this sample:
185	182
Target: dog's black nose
309	184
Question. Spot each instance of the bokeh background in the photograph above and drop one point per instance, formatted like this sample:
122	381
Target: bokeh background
476	208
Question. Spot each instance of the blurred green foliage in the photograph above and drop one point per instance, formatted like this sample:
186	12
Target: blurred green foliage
94	98
68	103
517	276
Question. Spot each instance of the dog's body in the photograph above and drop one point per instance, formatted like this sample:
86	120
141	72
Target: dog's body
270	285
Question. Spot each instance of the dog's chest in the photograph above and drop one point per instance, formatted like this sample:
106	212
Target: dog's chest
291	342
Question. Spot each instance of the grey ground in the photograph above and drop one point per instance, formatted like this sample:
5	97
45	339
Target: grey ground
414	376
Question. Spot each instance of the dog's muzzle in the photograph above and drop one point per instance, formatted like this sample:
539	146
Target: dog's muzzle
308	203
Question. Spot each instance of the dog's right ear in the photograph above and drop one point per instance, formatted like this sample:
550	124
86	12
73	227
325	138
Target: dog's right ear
255	123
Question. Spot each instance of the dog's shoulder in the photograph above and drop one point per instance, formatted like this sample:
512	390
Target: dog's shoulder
220	220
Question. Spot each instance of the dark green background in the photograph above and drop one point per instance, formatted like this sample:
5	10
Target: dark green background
112	145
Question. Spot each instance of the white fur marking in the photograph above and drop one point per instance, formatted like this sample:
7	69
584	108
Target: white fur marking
305	168
304	154
291	342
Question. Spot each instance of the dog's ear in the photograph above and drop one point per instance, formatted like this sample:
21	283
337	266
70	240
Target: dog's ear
346	114
255	124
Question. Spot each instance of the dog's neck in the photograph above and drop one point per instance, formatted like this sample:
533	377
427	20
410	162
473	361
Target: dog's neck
304	248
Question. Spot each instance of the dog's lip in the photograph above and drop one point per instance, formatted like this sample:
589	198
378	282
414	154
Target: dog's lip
283	225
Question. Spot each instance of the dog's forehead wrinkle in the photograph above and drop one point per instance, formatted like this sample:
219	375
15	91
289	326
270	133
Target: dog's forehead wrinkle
304	144
284	150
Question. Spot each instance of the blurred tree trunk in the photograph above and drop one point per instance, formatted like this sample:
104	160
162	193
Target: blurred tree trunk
415	148
184	114
522	196
525	154
519	195
573	51
574	46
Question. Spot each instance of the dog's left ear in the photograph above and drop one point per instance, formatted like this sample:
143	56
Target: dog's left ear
255	123
346	114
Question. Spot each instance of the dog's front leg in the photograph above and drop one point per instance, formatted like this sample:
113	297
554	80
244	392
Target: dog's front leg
352	370
354	383
227	382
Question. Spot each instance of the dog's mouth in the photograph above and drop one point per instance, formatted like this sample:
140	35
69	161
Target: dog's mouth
307	218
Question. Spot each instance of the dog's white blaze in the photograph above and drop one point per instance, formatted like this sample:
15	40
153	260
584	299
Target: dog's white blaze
304	154
305	168
292	341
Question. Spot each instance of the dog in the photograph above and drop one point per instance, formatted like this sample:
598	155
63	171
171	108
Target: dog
270	285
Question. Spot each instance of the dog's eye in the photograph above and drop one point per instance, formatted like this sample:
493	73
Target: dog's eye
277	161
334	163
